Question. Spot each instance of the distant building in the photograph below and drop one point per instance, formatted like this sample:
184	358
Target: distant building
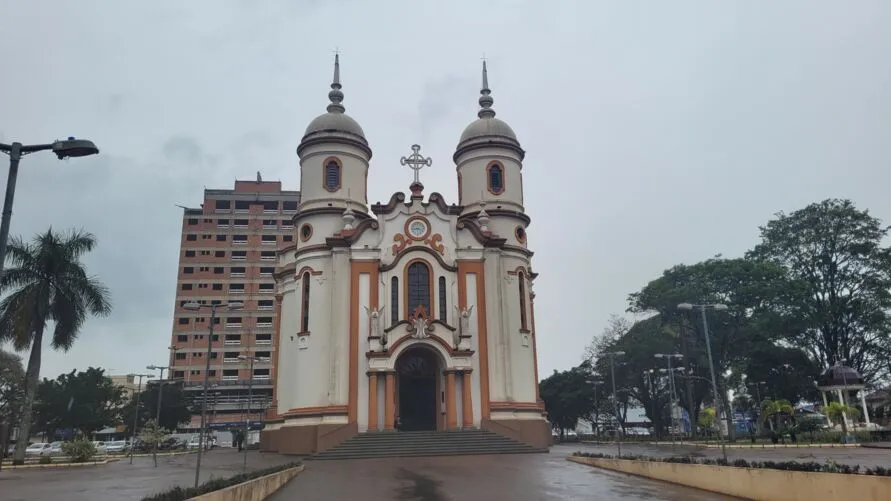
228	254
126	382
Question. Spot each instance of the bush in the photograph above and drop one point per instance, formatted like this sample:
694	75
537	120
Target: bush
45	459
79	450
215	484
810	466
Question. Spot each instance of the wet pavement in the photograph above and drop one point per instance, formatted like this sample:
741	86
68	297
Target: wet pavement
121	481
866	457
518	477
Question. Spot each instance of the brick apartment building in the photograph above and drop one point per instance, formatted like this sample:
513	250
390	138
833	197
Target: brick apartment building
228	254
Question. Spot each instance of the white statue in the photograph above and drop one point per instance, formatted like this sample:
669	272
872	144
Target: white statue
374	324
463	324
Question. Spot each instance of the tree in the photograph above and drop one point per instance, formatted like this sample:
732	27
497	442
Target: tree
773	412
46	282
833	253
50	408
12	387
568	396
86	401
174	407
153	436
787	372
837	411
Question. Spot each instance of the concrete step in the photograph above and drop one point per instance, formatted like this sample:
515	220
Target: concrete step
425	443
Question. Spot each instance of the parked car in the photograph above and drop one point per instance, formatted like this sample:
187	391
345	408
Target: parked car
116	446
100	447
37	449
55	448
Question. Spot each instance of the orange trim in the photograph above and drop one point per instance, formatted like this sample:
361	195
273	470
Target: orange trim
325	173
521	286
276	329
323	410
534	347
359	267
305	269
392	347
389	403
491	164
451	405
372	402
407	311
476	267
466	401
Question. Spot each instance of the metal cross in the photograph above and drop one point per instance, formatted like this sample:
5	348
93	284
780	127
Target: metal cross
416	161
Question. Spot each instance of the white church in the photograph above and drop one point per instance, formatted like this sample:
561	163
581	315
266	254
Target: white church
417	314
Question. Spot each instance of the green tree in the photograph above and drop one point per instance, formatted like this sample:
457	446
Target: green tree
837	310
50	408
86	401
12	387
153	435
46	282
568	396
837	411
787	372
175	409
775	412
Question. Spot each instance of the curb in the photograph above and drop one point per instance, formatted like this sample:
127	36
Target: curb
738	446
255	489
58	465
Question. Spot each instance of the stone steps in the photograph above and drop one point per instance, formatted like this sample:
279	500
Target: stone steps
424	443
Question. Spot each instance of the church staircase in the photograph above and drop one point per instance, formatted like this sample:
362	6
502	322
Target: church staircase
424	443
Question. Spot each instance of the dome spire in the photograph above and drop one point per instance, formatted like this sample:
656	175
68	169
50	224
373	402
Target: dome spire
486	100
336	96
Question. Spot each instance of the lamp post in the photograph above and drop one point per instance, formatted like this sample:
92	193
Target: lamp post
612	369
68	148
136	411
648	374
193	306
671	389
595	383
247	421
711	364
158	411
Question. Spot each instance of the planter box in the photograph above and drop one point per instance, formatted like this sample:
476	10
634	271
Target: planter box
252	490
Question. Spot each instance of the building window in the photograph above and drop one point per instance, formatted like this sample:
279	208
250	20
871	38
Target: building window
394	300
178	374
221	238
241	223
183	320
186	287
495	176
267	288
305	232
287	238
190	253
289	206
240	239
223	205
443	312
332	174
219	254
267	255
304	314
242	206
267	270
239	255
218	270
521	277
270	207
182	338
222	223
217	287
264	304
268	239
418	284
188	270
193	221
180	356
191	237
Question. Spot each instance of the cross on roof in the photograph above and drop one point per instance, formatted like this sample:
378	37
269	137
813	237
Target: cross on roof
416	161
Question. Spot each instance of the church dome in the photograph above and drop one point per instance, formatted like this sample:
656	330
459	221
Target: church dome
487	127
487	130
335	125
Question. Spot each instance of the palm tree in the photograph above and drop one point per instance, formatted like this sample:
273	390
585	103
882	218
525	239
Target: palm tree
46	282
837	411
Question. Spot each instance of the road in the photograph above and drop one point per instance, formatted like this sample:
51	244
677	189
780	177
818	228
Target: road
522	477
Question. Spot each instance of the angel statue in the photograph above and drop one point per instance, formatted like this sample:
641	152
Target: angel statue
463	324
374	324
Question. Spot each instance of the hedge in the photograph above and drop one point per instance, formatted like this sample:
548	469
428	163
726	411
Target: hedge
215	484
811	466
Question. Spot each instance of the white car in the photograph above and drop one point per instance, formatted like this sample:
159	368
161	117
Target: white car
55	448
100	447
116	446
193	443
37	449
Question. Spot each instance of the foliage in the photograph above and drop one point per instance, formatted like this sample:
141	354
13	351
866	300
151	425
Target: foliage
707	418
837	311
568	396
787	372
215	484
174	407
153	436
46	283
12	386
79	450
774	412
827	467
86	401
837	411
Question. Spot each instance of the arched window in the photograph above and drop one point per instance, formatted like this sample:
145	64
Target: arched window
443	310
304	314
394	300
495	175
418	284
521	277
332	175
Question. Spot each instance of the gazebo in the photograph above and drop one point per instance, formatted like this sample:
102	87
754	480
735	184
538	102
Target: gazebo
842	380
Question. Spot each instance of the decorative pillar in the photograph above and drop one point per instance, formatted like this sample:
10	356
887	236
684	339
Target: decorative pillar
841	400
466	401
373	425
863	404
389	401
451	405
825	402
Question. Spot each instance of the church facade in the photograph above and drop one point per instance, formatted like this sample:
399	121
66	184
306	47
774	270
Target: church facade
416	314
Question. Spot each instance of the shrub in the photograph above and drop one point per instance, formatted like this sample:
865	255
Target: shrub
45	459
79	450
215	484
810	466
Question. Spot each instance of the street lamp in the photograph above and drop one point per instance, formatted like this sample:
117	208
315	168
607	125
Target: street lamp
158	411
671	388
711	364
194	306
612	369
136	411
595	383
70	147
247	421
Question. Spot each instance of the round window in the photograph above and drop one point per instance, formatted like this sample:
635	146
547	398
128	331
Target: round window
305	232
521	234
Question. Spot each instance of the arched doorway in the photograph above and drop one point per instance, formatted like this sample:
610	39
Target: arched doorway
417	383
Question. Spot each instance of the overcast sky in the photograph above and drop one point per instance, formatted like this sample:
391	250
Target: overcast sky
656	132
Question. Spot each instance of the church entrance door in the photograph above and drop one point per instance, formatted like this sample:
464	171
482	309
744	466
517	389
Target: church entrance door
417	371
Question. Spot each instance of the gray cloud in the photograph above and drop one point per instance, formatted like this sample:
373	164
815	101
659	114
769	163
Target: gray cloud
654	136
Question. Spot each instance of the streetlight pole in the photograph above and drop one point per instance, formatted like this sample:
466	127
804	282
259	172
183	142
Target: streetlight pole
671	388
63	149
158	411
136	411
247	421
595	383
711	363
213	315
612	369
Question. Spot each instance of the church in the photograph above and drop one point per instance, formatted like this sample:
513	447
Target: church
417	314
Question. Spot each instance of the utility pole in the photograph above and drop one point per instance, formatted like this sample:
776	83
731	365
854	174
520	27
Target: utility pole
612	369
136	411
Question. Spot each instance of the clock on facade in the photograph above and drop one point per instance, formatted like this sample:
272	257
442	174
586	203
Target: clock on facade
417	228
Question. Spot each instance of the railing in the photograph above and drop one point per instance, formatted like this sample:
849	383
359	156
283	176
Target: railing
227	381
